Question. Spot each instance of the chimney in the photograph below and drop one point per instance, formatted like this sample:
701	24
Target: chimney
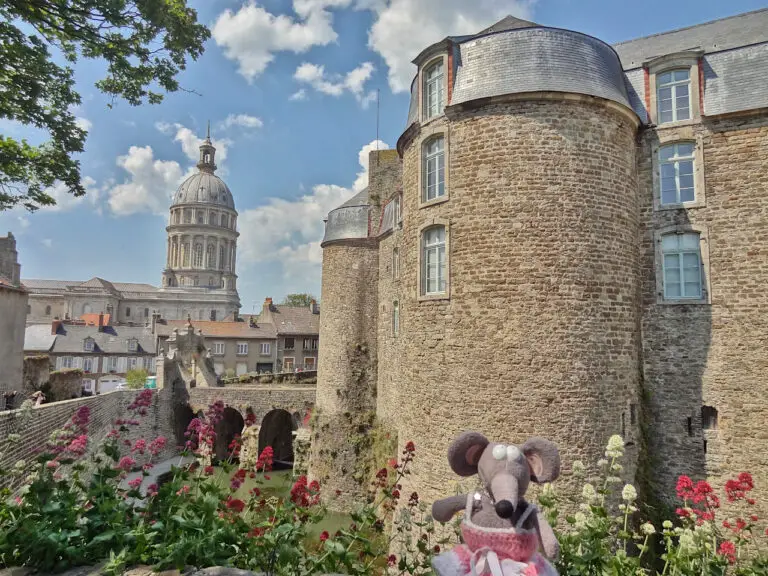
55	326
313	306
266	311
155	317
101	322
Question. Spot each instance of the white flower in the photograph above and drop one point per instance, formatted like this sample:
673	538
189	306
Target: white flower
578	467
629	494
588	492
14	437
615	447
617	468
613	480
580	520
667	524
686	541
547	490
647	529
602	462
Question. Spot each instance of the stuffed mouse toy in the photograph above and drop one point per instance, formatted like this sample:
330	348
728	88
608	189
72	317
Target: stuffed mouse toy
502	532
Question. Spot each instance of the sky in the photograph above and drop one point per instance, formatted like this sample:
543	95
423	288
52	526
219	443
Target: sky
290	89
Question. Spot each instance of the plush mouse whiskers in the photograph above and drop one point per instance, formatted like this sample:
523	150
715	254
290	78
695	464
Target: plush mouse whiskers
504	535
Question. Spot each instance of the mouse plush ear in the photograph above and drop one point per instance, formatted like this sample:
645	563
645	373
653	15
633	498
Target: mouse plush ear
464	453
543	459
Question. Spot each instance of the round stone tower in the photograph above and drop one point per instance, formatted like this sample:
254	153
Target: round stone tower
519	300
202	231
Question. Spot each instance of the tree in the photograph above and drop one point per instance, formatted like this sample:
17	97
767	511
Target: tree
136	378
298	300
145	44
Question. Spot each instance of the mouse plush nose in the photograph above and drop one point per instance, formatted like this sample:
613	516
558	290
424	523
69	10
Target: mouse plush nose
504	508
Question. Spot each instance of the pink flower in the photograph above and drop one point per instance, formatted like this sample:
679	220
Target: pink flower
324	536
140	446
135	483
152	490
157	445
728	549
79	445
236	505
183	490
52	464
126	464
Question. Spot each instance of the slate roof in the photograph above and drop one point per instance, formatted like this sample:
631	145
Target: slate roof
715	36
38	338
298	320
213	329
62	286
112	340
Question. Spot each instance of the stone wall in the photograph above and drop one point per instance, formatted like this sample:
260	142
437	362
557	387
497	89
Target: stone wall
540	333
36	373
259	400
306	378
713	354
64	385
13	313
347	367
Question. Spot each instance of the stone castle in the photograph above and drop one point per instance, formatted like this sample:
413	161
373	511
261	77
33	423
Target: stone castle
198	281
571	240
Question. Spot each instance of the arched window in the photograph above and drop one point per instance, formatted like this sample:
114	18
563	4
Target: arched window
395	318
223	220
213	217
676	163
681	254
395	263
433	94
175	216
433	169
222	254
198	260
211	257
185	255
187	216
673	95
433	261
200	217
48	310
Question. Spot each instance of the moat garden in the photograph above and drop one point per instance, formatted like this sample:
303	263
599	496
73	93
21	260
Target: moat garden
71	504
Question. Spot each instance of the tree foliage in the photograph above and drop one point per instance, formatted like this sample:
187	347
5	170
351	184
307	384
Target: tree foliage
144	43
136	378
298	300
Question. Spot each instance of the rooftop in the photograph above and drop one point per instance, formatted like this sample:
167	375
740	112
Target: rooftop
109	340
218	329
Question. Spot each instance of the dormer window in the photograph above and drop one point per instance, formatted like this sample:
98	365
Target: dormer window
133	345
433	89
674	95
88	345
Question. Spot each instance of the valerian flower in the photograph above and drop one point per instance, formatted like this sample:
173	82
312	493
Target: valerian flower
629	494
588	492
578	468
647	528
615	447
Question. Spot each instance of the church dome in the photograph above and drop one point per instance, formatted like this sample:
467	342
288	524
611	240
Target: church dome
204	188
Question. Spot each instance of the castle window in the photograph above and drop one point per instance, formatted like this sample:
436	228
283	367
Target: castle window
673	94
88	364
198	259
433	169
433	261
681	255
395	318
88	345
221	258
47	310
708	418
200	217
185	255
211	258
197	283
433	94
398	208
395	263
289	343
677	173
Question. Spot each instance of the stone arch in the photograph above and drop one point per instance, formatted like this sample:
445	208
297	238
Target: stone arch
182	416
231	423
277	428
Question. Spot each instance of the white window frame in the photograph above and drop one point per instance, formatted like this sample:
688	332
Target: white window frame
663	296
88	344
313	365
679	135
132	362
111	364
219	348
395	318
87	364
674	87
149	364
441	290
433	89
67	362
676	161
435	159
133	345
242	348
266	349
289	360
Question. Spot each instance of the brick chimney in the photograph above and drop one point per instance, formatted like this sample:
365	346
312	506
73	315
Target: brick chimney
55	326
101	322
266	311
313	307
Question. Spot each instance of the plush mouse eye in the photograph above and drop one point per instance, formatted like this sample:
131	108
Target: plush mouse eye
500	452
513	453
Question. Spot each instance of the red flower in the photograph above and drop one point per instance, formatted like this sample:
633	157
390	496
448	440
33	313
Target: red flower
126	464
413	500
740	524
726	524
683	512
410	447
135	483
256	532
436	549
265	459
208	470
236	505
324	536
684	488
728	549
183	490
157	445
391	560
152	490
753	517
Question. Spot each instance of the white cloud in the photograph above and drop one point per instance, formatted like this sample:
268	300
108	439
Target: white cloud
403	28
299	95
289	231
66	201
242	120
190	142
336	85
83	123
252	35
149	185
23	222
47	242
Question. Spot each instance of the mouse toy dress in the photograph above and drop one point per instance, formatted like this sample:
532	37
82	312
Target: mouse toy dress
494	551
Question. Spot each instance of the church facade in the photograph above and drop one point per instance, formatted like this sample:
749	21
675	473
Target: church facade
199	279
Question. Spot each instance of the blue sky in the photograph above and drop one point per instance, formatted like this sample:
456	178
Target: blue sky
289	87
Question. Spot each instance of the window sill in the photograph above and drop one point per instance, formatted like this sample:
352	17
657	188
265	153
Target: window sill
431	119
434	297
438	200
677	123
660	300
681	206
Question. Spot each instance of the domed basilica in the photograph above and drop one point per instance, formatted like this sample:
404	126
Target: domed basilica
199	279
